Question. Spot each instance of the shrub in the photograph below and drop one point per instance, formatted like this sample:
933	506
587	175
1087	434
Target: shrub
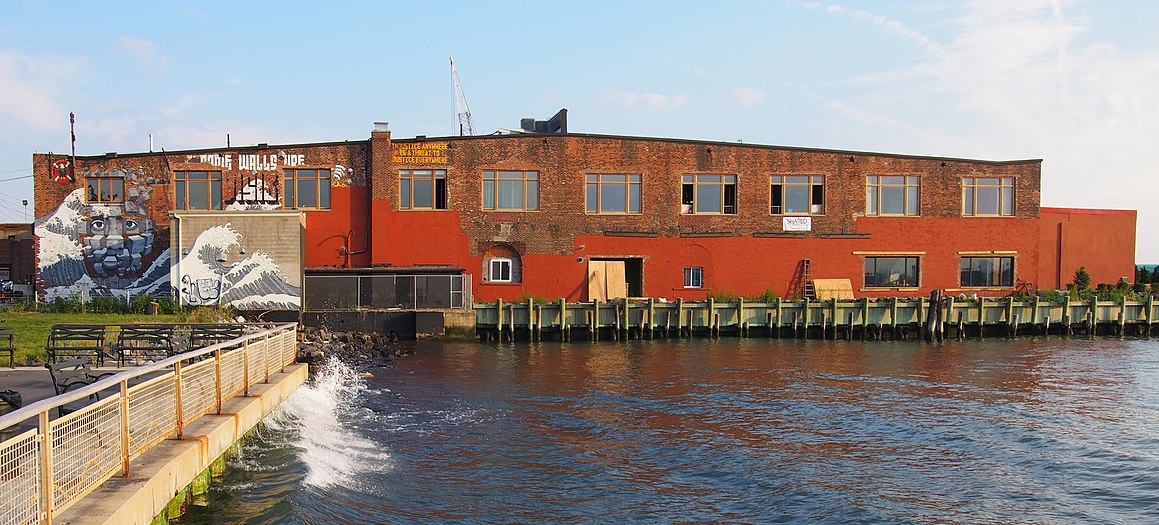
1082	279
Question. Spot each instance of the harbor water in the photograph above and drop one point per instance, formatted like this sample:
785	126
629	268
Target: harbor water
713	431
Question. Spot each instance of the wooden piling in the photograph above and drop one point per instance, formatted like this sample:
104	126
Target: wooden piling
511	321
777	325
961	325
981	318
1147	316
864	316
1066	320
690	323
1122	316
499	319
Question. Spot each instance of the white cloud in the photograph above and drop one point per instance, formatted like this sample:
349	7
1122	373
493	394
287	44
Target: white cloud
645	101
144	51
745	97
31	87
1037	80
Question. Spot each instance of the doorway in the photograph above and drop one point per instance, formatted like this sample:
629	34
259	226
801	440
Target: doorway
615	278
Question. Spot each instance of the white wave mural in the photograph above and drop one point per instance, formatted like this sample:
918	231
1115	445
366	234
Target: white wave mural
253	283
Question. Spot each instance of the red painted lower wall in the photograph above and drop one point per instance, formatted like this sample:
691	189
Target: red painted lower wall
745	266
1102	241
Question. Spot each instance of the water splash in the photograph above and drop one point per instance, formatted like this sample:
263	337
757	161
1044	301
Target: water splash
334	452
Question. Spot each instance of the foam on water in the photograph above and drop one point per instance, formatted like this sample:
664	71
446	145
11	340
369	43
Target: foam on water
334	451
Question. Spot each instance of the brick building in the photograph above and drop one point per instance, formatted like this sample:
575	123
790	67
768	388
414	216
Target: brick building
17	254
552	214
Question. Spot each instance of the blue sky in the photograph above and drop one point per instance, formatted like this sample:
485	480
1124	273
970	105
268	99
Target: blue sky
1072	82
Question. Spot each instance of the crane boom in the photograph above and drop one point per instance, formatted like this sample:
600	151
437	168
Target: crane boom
461	110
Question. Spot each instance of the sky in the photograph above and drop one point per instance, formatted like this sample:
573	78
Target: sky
1072	82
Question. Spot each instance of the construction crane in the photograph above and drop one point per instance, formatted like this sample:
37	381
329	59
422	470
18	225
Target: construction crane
462	112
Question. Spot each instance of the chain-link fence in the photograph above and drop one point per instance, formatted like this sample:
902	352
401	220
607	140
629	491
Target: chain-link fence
328	292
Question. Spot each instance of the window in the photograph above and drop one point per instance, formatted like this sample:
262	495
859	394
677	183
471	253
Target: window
501	264
891	272
797	194
510	190
708	194
106	189
307	189
891	195
694	277
422	190
987	271
613	193
197	190
988	196
500	271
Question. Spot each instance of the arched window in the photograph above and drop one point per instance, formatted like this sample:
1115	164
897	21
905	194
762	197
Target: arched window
501	265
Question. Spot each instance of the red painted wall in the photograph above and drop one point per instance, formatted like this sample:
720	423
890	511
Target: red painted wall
1103	241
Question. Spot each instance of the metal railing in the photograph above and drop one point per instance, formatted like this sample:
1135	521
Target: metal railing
46	469
330	292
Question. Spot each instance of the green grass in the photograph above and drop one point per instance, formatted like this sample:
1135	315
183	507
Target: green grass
32	329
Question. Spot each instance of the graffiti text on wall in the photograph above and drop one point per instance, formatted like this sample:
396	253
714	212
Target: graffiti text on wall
251	162
420	153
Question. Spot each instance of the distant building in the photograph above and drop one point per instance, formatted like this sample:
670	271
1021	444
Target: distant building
547	213
17	260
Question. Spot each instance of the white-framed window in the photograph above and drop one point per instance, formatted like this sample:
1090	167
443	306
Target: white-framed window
694	277
500	270
891	195
797	194
612	193
708	194
987	196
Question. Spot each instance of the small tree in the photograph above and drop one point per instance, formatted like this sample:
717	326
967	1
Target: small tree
1155	276
1082	279
1142	275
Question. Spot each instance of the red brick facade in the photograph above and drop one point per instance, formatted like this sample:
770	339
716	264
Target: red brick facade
743	253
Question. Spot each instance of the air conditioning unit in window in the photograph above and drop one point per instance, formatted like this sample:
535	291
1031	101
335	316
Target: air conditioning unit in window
686	209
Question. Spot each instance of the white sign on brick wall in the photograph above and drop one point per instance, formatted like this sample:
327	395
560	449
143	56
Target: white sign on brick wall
796	224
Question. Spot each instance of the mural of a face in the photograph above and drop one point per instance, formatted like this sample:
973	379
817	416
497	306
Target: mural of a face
116	245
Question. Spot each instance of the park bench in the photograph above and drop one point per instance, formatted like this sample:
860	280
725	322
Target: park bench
72	373
143	342
76	340
203	335
8	344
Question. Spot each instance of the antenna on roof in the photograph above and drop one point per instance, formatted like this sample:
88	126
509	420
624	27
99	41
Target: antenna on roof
462	112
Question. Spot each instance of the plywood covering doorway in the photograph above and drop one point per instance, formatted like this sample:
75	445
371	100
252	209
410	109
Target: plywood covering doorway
615	278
